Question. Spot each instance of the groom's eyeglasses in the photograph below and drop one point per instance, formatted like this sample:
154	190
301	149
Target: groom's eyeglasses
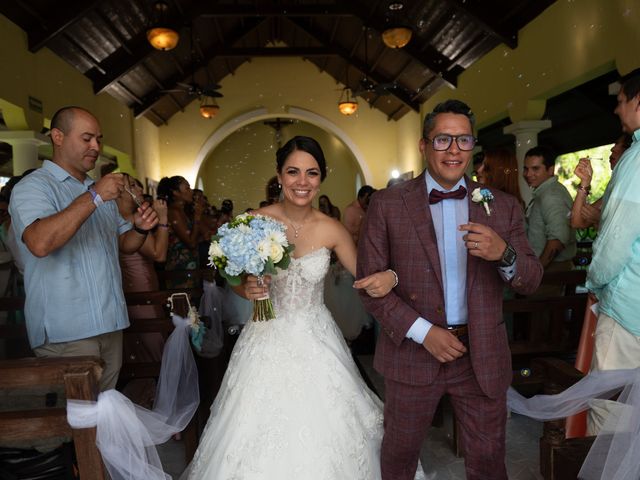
443	141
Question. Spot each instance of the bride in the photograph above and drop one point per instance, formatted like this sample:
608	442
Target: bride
292	404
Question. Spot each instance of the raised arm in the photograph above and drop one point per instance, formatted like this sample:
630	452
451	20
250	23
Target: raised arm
48	234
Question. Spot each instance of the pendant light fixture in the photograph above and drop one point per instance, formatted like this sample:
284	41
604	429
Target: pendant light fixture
347	105
398	33
209	108
160	35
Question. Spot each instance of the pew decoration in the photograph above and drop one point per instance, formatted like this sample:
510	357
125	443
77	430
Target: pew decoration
614	454
126	434
198	329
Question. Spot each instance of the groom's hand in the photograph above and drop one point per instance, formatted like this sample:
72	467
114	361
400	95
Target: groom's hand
443	345
483	241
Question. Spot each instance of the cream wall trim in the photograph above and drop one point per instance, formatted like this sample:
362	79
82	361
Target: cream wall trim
262	114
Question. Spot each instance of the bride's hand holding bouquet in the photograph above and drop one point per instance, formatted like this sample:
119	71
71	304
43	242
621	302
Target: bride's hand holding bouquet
251	245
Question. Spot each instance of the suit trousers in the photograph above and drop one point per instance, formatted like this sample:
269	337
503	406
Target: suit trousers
409	410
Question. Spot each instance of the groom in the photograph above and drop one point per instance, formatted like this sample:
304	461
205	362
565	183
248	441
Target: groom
442	326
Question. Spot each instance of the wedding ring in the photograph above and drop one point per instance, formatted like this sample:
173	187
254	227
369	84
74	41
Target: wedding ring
475	245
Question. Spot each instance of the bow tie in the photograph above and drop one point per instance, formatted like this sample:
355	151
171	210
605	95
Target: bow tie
436	196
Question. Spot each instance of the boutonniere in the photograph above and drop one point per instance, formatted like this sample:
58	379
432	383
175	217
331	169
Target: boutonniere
483	196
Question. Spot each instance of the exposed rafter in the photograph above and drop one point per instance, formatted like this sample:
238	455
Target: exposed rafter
106	41
484	17
62	16
344	54
232	37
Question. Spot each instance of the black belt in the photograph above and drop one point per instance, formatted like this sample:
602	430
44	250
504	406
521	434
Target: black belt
458	330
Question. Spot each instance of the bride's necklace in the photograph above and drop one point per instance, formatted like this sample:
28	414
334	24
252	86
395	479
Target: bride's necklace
296	228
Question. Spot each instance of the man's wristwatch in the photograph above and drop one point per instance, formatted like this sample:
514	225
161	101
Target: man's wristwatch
508	256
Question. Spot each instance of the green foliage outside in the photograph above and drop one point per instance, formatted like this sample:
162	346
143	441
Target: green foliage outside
566	164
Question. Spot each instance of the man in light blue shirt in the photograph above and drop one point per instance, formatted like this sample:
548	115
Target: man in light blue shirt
614	273
69	232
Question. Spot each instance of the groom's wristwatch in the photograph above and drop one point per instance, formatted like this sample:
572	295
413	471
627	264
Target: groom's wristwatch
508	256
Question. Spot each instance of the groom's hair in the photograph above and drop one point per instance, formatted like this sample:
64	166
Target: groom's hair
305	144
448	106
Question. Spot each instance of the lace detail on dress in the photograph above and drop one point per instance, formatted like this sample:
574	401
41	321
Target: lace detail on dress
292	404
299	288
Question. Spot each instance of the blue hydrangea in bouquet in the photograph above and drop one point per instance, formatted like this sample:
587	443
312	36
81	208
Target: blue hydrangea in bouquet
251	245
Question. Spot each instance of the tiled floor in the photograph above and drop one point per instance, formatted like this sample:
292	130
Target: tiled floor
437	457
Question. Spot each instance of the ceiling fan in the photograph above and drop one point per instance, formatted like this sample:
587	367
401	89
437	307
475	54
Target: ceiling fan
195	90
368	86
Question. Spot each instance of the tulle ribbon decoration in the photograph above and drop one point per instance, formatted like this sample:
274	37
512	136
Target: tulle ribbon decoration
126	433
615	452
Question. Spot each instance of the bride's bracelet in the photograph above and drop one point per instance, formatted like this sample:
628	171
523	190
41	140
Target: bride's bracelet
395	276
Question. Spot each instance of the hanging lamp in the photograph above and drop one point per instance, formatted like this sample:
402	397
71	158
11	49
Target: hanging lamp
160	35
398	33
209	108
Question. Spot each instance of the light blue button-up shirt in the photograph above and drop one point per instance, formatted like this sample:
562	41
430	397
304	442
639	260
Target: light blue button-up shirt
447	215
74	292
614	272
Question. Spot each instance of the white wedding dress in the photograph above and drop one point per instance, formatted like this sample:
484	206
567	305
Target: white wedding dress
292	404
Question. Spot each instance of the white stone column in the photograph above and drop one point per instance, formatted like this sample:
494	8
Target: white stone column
25	145
526	133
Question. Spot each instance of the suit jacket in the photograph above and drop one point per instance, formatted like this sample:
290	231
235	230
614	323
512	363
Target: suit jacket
398	233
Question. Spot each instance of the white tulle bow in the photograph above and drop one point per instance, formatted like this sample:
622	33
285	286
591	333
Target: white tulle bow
126	433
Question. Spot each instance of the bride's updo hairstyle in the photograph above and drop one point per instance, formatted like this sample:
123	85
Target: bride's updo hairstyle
306	144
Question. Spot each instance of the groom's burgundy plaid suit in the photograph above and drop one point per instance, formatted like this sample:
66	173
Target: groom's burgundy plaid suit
398	233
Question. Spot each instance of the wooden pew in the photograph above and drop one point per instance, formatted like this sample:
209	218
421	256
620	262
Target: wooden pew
134	369
565	313
131	368
16	344
80	376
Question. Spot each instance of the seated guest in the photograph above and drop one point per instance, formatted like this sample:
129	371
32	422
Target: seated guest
584	214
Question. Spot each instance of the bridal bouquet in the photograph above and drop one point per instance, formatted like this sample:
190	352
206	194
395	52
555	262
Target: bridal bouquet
251	244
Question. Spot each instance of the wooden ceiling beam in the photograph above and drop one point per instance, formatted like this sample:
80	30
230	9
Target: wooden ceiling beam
63	15
484	16
266	10
120	62
212	52
344	54
429	56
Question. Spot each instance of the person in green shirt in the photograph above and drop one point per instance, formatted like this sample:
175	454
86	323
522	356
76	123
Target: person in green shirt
548	228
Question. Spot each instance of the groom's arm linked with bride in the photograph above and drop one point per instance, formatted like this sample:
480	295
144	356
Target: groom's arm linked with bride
442	326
